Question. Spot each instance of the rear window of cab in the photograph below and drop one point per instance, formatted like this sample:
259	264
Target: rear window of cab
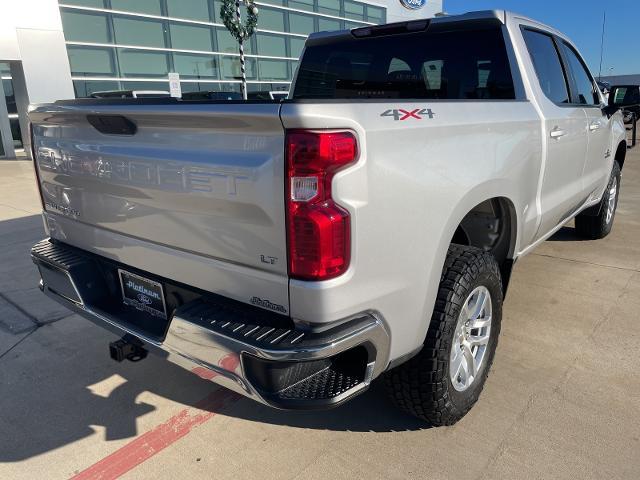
450	65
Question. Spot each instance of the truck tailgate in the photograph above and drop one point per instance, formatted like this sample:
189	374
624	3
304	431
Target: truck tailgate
202	179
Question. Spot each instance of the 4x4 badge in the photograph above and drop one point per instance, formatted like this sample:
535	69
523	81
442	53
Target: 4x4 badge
401	114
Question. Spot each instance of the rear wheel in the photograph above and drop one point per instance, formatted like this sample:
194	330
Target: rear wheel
443	382
599	226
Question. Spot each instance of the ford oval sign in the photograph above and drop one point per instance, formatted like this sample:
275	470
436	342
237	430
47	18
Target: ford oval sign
413	4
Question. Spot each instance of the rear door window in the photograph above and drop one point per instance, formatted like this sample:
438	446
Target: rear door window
453	65
546	62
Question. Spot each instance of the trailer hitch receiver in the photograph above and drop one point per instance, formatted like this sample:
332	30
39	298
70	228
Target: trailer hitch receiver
125	350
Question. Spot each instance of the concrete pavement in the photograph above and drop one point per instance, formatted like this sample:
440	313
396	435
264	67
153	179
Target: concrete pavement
562	401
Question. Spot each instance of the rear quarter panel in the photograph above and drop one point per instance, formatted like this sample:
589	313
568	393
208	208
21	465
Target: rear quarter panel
414	181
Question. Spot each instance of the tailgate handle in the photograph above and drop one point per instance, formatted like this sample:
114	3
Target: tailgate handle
112	124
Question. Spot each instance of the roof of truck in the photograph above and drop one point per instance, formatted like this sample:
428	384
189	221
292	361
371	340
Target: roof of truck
501	16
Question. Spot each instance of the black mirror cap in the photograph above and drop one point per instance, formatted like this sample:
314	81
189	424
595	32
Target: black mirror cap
614	91
610	110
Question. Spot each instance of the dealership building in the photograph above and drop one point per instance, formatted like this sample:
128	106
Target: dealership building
51	49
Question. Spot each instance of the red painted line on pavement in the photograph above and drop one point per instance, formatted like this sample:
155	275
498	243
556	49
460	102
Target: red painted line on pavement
148	444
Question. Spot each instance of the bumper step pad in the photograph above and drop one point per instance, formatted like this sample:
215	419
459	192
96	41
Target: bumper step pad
326	384
239	324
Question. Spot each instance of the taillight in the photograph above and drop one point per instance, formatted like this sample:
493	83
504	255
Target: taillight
318	229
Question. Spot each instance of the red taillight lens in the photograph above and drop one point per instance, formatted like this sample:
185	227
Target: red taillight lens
318	228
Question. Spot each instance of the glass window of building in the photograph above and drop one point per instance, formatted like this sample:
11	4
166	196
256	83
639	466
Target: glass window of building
85	27
85	3
190	37
194	87
330	7
191	9
228	44
300	23
351	25
156	86
206	56
296	46
353	10
215	14
152	7
329	24
231	68
212	91
196	66
142	63
16	133
376	14
271	45
142	33
84	88
271	19
88	61
10	99
301	4
273	69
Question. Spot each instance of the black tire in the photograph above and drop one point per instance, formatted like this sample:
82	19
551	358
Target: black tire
595	224
422	386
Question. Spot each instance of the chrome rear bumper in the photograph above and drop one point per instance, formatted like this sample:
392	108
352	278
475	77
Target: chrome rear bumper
281	366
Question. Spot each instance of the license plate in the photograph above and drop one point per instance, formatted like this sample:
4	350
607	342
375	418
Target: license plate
143	294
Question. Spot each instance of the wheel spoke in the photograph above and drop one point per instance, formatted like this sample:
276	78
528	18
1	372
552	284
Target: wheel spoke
479	306
456	362
470	363
478	340
480	323
465	312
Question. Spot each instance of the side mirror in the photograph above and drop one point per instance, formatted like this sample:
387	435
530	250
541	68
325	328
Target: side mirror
622	96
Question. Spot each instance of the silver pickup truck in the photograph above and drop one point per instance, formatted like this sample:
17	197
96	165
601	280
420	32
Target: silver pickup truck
365	227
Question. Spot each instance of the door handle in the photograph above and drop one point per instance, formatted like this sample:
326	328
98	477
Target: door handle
595	125
557	133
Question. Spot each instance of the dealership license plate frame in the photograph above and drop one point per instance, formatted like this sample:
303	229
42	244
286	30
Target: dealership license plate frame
132	297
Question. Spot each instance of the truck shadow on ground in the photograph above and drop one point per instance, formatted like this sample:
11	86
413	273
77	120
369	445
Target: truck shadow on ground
566	234
368	412
69	391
